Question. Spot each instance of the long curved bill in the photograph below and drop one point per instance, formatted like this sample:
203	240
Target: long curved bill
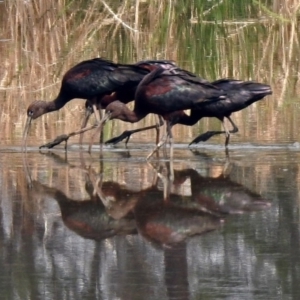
25	133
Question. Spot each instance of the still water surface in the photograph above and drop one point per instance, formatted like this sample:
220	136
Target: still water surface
60	241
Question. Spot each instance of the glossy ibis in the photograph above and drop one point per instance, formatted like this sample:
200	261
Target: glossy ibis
124	91
90	79
240	94
163	92
126	96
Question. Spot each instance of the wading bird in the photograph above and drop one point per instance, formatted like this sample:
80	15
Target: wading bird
126	96
90	79
162	92
121	83
239	95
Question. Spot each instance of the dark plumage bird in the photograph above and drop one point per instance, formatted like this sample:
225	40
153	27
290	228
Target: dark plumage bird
90	79
126	96
239	95
163	92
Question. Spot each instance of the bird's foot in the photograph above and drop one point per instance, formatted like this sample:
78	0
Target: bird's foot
57	141
117	139
202	138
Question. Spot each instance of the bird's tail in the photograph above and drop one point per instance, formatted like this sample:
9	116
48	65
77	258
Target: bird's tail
253	87
256	90
249	91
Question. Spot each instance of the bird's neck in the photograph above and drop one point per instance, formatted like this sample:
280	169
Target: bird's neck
58	102
128	115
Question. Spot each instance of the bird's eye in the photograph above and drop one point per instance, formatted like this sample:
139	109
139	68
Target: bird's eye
30	113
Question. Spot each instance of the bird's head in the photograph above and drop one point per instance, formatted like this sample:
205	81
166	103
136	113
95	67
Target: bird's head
36	109
115	110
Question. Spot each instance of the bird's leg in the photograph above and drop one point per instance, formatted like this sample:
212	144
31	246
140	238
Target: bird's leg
158	124
57	141
127	134
207	135
235	128
99	128
97	113
166	141
169	141
65	137
88	113
227	133
170	137
161	143
100	116
96	133
84	123
165	154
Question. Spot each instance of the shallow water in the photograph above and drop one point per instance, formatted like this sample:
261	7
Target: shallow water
60	241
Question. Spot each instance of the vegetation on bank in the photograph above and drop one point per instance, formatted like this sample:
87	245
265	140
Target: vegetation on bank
249	39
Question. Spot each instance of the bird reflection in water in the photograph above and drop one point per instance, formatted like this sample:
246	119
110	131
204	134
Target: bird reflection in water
88	218
163	217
